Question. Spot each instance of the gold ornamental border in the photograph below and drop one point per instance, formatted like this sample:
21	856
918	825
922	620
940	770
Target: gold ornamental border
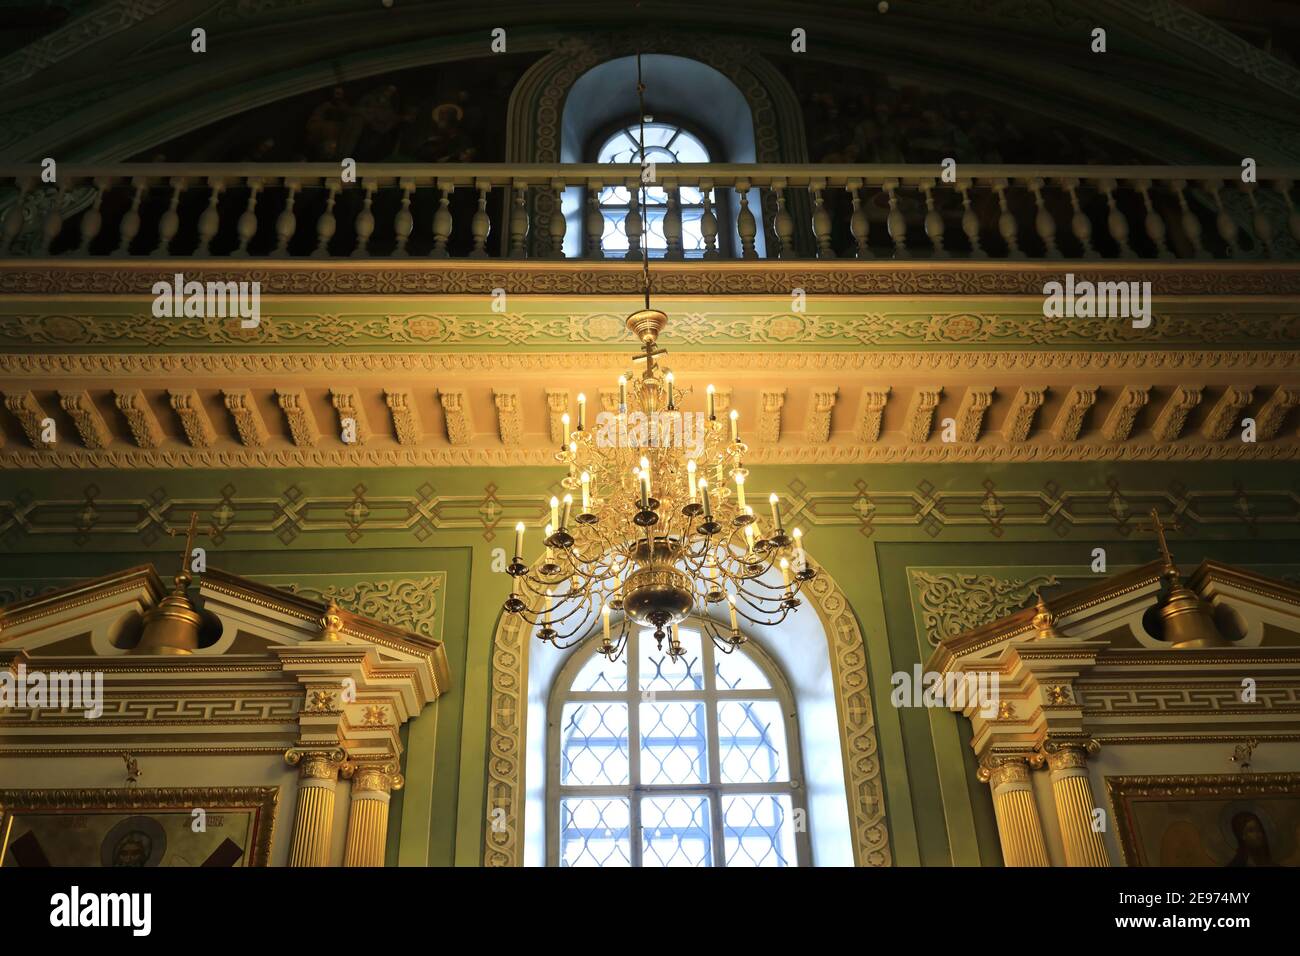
423	276
507	715
1126	790
262	801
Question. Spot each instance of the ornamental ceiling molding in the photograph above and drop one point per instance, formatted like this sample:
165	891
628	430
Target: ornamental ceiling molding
92	512
35	366
807	454
935	324
502	844
604	277
953	602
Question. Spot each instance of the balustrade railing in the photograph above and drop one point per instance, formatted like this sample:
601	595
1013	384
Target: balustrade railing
734	212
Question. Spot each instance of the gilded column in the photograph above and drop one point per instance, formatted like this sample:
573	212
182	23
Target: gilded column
1068	763
368	814
313	823
1019	827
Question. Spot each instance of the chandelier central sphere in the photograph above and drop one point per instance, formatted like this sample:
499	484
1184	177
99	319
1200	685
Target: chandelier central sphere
654	523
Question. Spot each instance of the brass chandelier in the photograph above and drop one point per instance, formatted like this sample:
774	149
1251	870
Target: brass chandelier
655	521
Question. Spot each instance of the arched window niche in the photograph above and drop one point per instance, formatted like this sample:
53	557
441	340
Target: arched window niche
796	658
681	93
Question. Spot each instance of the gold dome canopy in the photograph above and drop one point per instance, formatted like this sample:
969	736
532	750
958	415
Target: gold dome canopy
1186	623
173	626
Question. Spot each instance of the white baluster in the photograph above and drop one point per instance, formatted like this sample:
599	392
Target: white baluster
326	225
821	220
557	227
933	221
53	224
859	225
1191	222
970	224
783	222
746	224
708	221
1259	219
1044	224
632	225
480	226
673	221
1222	221
93	220
1154	222
518	230
1080	224
210	219
246	227
130	225
169	223
1116	223
286	224
442	223
895	221
594	222
403	222
364	225
1007	226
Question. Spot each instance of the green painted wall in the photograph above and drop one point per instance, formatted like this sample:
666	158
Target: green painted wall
893	537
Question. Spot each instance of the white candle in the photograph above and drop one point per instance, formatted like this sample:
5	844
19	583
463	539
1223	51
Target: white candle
582	411
555	514
740	490
709	394
735	426
785	572
731	606
519	540
564	419
690	475
669	379
568	508
776	512
622	393
645	476
704	494
586	493
800	559
605	613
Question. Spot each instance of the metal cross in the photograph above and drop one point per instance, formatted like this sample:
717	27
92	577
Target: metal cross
1159	528
191	530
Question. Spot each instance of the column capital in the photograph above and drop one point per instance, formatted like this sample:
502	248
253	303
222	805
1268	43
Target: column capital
317	763
374	777
1001	769
1068	754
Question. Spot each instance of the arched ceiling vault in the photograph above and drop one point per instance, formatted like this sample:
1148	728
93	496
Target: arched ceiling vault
120	77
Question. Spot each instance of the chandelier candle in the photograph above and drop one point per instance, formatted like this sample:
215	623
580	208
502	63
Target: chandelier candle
776	513
564	419
586	492
735	427
690	475
519	542
712	410
582	414
669	379
555	514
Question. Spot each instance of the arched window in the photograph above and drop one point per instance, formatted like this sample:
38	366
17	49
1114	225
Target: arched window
654	762
664	143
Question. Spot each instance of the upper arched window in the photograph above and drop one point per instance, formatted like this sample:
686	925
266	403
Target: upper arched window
654	762
665	143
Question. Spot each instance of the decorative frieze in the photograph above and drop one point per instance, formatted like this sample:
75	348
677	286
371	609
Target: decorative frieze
1226	412
1271	415
352	420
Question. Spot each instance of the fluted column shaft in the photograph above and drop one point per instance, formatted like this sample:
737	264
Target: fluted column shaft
1019	826
367	837
1072	794
313	824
